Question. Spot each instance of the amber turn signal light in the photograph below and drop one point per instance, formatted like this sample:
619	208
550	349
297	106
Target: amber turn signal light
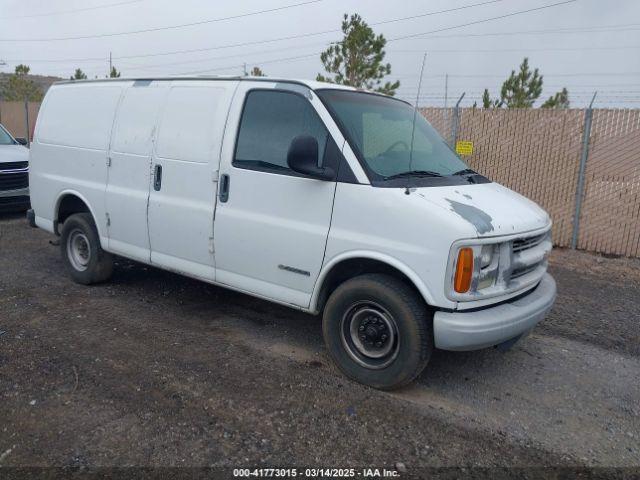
464	270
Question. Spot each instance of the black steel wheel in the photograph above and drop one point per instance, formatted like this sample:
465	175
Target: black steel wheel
378	330
370	335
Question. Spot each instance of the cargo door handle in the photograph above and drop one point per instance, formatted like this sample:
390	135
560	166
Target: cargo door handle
225	182
157	177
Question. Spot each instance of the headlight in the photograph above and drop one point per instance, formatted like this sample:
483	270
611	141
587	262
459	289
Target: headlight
485	268
488	271
486	255
475	268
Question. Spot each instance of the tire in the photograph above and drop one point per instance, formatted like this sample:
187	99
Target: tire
84	258
383	305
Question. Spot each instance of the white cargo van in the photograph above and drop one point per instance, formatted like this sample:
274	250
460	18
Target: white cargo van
316	196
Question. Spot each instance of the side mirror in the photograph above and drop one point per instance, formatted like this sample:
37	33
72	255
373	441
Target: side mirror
21	141
303	158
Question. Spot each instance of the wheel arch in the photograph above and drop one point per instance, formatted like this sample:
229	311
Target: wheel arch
68	203
351	264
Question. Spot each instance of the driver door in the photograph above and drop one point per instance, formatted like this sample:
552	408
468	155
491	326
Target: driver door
272	223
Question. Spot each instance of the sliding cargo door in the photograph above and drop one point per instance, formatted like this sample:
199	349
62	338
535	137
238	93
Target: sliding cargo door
129	161
185	175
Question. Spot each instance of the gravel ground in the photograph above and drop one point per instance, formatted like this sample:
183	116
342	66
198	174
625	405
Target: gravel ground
155	369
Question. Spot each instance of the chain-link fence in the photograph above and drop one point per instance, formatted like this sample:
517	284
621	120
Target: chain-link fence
610	215
19	117
538	153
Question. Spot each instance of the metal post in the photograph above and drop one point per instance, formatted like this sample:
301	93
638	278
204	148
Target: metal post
456	121
588	114
446	90
446	94
26	121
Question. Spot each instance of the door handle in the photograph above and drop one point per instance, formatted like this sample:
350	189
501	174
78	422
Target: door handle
157	177
225	182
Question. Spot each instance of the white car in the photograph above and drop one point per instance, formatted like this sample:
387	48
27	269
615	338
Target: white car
316	196
14	172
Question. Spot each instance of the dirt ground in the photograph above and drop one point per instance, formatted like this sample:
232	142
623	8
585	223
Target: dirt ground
155	369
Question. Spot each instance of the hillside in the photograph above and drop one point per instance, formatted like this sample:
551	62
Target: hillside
44	82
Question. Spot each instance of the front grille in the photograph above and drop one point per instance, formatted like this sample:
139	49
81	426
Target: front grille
13	166
526	243
523	271
529	254
14	181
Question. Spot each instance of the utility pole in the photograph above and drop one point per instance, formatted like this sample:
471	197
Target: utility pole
244	69
110	65
446	92
446	89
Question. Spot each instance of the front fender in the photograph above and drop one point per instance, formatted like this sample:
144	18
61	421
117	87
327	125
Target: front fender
369	255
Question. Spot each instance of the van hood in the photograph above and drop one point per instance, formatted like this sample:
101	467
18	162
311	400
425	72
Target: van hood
491	209
13	153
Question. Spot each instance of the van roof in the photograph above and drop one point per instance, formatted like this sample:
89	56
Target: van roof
312	84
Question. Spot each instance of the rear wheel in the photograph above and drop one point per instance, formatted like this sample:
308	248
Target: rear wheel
81	251
378	331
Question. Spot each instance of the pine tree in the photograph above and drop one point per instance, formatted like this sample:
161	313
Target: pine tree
559	100
357	60
20	87
78	75
487	102
521	90
114	73
257	72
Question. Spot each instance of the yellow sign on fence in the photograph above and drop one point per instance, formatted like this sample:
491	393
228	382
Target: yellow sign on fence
464	148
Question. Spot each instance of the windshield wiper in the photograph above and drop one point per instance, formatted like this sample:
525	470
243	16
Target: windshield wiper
414	173
466	171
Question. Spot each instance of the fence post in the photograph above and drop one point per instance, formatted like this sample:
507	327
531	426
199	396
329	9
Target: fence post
588	114
455	122
26	121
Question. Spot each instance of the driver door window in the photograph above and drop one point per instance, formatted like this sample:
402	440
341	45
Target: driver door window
270	121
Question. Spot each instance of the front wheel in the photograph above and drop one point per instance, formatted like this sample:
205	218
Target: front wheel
378	331
81	251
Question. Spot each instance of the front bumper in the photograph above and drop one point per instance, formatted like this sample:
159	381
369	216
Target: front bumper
493	325
14	199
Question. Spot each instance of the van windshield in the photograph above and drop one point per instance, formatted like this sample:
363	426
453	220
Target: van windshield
5	138
380	128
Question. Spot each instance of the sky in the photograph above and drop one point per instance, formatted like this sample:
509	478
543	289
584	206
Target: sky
584	45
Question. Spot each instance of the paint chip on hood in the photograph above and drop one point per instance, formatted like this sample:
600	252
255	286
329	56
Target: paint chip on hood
478	218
